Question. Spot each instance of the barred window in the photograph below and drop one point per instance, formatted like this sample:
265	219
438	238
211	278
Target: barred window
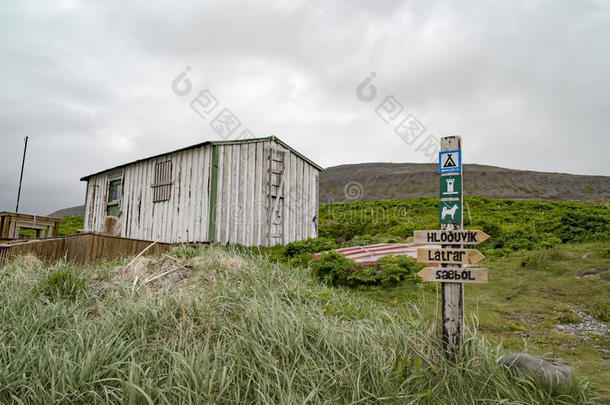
162	186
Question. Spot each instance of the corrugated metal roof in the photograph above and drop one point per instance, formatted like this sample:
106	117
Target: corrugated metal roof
198	145
368	255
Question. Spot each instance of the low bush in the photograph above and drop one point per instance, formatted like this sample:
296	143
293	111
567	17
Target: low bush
311	245
335	269
395	269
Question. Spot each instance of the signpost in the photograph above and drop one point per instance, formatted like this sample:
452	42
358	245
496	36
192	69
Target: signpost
452	306
436	237
451	255
471	275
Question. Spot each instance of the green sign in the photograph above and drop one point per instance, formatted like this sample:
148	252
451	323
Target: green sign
451	186
450	212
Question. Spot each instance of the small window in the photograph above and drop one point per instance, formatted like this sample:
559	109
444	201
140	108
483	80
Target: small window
114	190
115	186
162	186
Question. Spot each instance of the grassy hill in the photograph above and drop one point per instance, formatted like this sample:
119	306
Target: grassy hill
254	325
227	326
77	211
379	181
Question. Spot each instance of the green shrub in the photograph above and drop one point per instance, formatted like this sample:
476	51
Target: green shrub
301	260
62	283
333	268
521	244
492	229
395	269
364	276
311	245
576	226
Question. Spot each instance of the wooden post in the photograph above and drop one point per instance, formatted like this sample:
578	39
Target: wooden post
452	293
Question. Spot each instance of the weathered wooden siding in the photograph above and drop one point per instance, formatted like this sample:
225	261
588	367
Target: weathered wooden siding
242	187
243	200
301	201
182	218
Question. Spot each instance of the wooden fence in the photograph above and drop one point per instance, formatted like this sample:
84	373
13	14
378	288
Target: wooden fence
84	248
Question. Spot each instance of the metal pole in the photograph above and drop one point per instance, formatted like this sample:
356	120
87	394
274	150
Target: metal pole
25	148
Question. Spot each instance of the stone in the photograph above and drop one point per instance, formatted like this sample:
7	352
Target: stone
550	372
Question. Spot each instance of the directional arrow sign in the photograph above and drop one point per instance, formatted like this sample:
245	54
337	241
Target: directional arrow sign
454	275
452	256
436	237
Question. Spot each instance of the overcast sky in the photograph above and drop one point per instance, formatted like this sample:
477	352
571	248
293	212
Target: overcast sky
526	84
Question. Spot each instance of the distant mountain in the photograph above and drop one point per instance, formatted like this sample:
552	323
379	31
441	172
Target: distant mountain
69	212
377	181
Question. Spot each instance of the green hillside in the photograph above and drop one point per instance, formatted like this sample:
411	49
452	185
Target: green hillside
255	325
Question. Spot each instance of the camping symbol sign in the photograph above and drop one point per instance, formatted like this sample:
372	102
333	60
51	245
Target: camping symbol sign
450	212
450	161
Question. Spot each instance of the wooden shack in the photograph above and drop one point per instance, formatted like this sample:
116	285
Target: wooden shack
12	224
255	192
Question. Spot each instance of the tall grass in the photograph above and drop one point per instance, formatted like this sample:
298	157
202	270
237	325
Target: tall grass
238	330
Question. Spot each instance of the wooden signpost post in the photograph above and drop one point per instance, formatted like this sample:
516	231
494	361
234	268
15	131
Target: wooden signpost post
451	256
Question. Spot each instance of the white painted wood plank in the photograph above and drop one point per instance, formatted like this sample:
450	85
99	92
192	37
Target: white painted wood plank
243	194
251	200
259	194
221	192
234	205
228	177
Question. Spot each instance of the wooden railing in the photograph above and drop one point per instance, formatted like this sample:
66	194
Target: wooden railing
84	248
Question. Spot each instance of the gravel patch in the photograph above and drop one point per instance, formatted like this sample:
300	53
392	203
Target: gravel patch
588	325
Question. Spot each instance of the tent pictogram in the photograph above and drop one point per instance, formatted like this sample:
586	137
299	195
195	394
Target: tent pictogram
450	161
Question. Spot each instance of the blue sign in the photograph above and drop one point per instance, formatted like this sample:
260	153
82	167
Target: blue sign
450	161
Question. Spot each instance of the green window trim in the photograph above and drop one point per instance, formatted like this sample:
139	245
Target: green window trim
113	203
213	195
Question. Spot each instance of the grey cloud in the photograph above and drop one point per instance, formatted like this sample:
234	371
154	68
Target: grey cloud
524	82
